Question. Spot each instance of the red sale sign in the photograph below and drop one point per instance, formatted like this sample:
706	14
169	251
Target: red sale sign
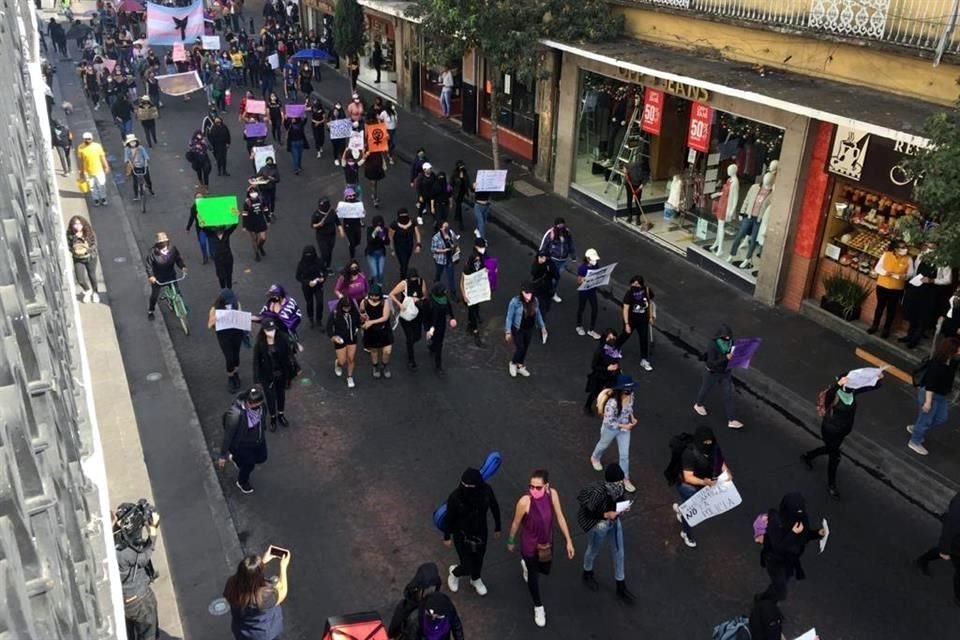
652	111
698	135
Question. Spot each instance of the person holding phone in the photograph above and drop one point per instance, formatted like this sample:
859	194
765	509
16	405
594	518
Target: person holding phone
702	463
255	599
343	327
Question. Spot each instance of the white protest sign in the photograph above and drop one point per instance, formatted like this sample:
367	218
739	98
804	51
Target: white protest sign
233	319
597	277
709	502
260	155
356	141
350	210
489	180
809	635
340	129
211	43
476	287
826	534
274	60
865	377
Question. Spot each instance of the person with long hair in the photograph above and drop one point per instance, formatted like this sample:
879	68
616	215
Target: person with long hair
324	224
256	217
376	251
311	275
343	327
255	600
351	283
460	188
403	623
445	247
230	339
82	242
639	313
618	421
787	535
350	227
523	314
202	240
377	331
604	369
404	239
274	368
933	394
318	122
413	290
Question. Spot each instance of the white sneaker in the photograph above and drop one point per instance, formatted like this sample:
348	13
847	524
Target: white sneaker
909	428
734	424
512	368
523	569
540	616
336	163
593	334
476	233
453	581
95	297
557	298
479	587
596	464
629	486
645	365
85	297
918	448
522	370
319	154
700	409
581	332
350	383
337	369
687	540
676	511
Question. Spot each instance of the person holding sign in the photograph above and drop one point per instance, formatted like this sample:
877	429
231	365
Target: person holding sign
788	532
523	314
350	214
701	463
230	339
591	260
474	264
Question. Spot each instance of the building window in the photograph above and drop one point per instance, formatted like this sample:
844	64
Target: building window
517	110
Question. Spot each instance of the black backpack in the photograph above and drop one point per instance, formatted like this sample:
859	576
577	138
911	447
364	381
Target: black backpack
678	444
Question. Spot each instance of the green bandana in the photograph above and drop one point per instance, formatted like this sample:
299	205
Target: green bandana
440	299
846	397
724	345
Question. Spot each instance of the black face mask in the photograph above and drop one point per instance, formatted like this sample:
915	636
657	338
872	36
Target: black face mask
354	270
404	219
274	300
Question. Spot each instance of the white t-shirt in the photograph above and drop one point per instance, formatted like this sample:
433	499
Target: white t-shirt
446	79
389	120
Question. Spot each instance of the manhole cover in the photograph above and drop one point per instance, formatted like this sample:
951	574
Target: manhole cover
219	607
153	377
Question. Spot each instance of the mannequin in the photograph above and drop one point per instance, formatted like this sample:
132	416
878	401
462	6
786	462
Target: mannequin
725	205
754	212
772	172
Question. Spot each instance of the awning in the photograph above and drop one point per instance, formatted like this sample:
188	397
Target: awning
868	110
396	9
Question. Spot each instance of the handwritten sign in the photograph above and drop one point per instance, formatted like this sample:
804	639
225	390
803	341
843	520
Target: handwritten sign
211	43
274	60
596	277
257	107
350	210
255	130
295	110
377	138
340	129
356	141
743	351
233	319
260	155
476	287
489	180
710	501
179	53
865	377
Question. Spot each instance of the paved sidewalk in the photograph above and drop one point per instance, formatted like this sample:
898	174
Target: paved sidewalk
799	356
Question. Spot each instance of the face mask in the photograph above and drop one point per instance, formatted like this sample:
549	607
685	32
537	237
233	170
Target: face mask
591	262
404	219
78	228
354	270
527	297
274	300
254	195
537	492
164	250
636	287
901	252
270	334
846	397
481	250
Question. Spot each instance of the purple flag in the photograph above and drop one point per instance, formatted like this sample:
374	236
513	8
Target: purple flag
743	351
255	130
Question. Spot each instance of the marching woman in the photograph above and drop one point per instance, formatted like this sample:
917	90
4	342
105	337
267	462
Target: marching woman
343	327
604	370
639	314
405	239
311	276
274	368
436	313
351	283
230	339
618	422
377	332
523	314
413	288
256	217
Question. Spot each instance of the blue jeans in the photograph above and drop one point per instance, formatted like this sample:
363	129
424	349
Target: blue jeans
296	149
451	287
446	99
933	418
748	227
481	211
607	436
604	531
686	492
126	127
204	244
375	267
559	263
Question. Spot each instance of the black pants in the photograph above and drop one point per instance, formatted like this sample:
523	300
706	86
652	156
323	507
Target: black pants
777	591
934	554
230	341
141	617
270	199
155	295
534	569
339	145
325	244
203	172
640	325
314	301
139	180
887	301
458	211
403	257
412	331
473	318
436	345
86	272
354	74
220	155
352	231
276	129
276	394
545	299
471	562
318	138
521	342
584	297
150	131
830	448
224	269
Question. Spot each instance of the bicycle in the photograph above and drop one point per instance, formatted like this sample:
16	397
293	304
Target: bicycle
140	187
170	296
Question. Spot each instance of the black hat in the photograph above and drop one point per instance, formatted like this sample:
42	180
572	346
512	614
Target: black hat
613	473
472	477
255	394
269	324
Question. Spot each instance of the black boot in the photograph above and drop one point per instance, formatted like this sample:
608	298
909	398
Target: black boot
591	582
233	383
273	423
623	593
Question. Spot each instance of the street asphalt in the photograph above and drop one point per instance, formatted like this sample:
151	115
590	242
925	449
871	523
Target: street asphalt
351	485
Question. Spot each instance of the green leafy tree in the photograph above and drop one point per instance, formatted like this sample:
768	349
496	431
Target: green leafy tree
937	190
348	28
507	33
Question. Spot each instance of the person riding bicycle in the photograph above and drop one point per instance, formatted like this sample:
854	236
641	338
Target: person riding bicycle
162	263
137	163
284	309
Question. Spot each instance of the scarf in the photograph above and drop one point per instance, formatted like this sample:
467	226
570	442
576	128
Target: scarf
253	417
439	299
846	397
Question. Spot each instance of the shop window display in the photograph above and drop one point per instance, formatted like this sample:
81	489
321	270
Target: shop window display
517	106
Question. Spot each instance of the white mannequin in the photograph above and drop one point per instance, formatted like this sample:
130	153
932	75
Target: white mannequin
772	172
731	189
760	208
745	210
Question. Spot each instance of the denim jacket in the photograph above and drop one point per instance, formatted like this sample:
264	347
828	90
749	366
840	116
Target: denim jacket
515	314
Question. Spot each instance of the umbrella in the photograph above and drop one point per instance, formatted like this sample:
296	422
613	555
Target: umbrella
131	6
311	54
79	30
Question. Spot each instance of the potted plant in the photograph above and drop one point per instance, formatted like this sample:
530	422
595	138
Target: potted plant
843	295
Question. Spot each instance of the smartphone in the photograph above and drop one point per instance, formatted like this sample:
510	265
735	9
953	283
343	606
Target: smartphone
278	552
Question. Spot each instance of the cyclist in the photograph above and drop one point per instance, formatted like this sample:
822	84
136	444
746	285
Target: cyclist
162	263
137	163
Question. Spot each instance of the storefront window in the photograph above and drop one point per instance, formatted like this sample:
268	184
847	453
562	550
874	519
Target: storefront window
380	48
517	110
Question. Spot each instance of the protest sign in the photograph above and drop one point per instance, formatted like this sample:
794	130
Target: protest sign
476	287
809	635
274	60
295	110
710	501
255	130
377	138
490	180
826	534
233	319
180	84
211	43
347	210
340	129
260	155
865	377
256	107
595	277
743	351
179	53
109	64
217	211
356	141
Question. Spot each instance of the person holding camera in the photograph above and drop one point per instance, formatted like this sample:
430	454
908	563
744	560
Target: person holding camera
255	599
134	532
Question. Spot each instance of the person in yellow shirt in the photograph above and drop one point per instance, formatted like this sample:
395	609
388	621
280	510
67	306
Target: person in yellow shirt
93	167
893	270
238	61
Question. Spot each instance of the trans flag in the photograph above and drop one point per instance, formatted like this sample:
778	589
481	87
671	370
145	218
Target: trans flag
167	25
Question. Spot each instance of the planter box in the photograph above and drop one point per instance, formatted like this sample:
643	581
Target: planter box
834	307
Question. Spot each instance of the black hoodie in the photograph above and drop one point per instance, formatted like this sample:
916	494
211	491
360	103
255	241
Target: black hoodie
714	356
467	508
950	534
237	433
309	267
426	581
781	546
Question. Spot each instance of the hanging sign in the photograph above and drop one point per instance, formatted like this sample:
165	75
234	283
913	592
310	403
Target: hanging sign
698	134
652	111
875	162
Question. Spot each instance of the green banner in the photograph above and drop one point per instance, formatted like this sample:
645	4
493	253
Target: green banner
218	211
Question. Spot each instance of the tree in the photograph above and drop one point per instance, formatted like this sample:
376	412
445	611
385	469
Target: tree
937	190
507	33
348	28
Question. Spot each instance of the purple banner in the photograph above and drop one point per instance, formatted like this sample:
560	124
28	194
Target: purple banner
255	130
743	351
296	110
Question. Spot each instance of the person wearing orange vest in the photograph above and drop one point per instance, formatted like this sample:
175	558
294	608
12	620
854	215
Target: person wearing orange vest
893	270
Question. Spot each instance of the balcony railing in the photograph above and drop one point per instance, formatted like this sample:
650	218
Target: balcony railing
928	25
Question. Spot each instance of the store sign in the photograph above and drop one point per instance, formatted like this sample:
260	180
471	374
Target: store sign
652	111
876	162
698	134
681	89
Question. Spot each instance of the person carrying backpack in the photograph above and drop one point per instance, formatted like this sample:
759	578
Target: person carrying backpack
701	463
403	624
244	438
62	139
438	619
764	623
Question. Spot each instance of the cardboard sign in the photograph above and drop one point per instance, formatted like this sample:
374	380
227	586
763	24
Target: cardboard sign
596	277
295	110
233	319
256	107
274	60
350	210
489	180
652	111
180	84
698	133
356	141
710	501
255	130
211	43
218	211
179	53
260	155
377	137
743	351
476	287
340	129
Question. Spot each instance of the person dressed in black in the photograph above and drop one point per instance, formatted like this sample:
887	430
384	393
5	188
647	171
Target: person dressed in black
403	623
274	368
473	264
786	538
543	273
324	223
920	295
230	339
376	61
318	121
311	275
427	186
639	314
460	187
438	313
438	619
194	222
162	263
269	175
219	138
465	527
409	296
134	539
839	411
405	239
199	158
604	369
218	244
244	440
275	116
256	217
948	548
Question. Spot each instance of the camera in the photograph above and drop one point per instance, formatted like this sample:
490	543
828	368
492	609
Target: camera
131	520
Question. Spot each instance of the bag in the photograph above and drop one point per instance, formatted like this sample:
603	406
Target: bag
760	524
83	186
602	398
80	249
409	310
678	444
822	408
921	371
545	552
733	629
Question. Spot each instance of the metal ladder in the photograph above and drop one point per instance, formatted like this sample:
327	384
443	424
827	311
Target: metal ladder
633	146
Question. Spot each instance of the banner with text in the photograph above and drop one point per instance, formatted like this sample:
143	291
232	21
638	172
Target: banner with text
652	111
597	277
698	135
710	501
